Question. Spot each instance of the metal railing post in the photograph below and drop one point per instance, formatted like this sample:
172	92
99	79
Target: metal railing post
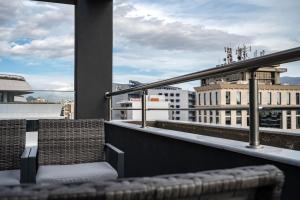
144	109
110	108
254	112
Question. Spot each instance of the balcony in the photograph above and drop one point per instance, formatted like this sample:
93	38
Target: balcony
168	147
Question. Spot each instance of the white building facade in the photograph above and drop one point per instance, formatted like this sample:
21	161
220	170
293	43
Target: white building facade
178	98
153	101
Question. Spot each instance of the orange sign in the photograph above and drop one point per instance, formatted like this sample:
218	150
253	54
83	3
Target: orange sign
154	99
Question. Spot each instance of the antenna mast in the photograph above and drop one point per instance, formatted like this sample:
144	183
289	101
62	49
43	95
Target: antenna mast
228	59
242	52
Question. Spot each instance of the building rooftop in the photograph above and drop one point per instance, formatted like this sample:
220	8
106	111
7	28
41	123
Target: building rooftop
13	83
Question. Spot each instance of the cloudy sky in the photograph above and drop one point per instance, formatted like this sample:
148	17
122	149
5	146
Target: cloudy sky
153	39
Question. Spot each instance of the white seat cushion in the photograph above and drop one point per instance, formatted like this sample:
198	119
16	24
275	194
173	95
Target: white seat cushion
76	173
10	177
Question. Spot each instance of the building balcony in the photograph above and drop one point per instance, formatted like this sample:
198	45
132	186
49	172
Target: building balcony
152	148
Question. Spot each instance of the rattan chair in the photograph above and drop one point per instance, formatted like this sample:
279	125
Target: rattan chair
251	183
13	155
75	151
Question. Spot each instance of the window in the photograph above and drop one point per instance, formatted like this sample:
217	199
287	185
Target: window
217	117
278	97
200	118
228	98
288	122
248	119
177	95
259	98
217	98
228	117
1	97
298	119
159	93
172	95
288	100
239	117
177	106
171	106
177	112
204	98
172	100
210	98
199	99
297	98
269	98
177	100
166	94
238	98
288	119
177	118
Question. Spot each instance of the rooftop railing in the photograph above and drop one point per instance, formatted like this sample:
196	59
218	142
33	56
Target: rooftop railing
250	65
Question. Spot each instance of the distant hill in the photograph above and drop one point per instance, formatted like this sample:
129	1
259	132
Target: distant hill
290	80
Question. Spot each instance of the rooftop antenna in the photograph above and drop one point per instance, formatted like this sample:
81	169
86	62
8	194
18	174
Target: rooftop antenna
228	59
242	52
255	53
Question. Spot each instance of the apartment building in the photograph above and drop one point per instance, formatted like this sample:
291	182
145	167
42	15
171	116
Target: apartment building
153	101
175	96
228	92
178	98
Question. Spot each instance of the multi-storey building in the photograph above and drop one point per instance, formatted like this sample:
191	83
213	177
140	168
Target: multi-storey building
176	97
153	101
228	91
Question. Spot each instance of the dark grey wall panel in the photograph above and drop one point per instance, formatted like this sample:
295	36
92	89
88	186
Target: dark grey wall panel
148	154
93	57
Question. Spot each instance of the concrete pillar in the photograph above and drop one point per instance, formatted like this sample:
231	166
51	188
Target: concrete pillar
93	58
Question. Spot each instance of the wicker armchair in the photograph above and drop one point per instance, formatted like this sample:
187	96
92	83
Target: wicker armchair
13	155
251	183
74	151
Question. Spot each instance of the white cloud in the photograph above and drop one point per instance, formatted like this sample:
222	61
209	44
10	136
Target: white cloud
52	47
168	37
48	28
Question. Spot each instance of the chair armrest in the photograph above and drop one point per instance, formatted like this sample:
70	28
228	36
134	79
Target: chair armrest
115	157
32	164
24	165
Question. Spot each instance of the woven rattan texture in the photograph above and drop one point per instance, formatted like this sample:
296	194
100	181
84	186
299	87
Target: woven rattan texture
12	143
255	182
62	142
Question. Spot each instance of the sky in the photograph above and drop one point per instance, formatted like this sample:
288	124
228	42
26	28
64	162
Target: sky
153	39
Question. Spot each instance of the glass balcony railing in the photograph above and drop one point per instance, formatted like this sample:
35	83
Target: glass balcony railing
37	104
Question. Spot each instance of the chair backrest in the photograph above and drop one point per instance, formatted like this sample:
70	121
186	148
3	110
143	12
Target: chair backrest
12	143
246	183
62	142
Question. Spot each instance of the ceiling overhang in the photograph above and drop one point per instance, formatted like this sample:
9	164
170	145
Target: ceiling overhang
73	2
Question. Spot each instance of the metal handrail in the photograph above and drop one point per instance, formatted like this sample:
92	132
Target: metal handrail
235	107
285	56
250	65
